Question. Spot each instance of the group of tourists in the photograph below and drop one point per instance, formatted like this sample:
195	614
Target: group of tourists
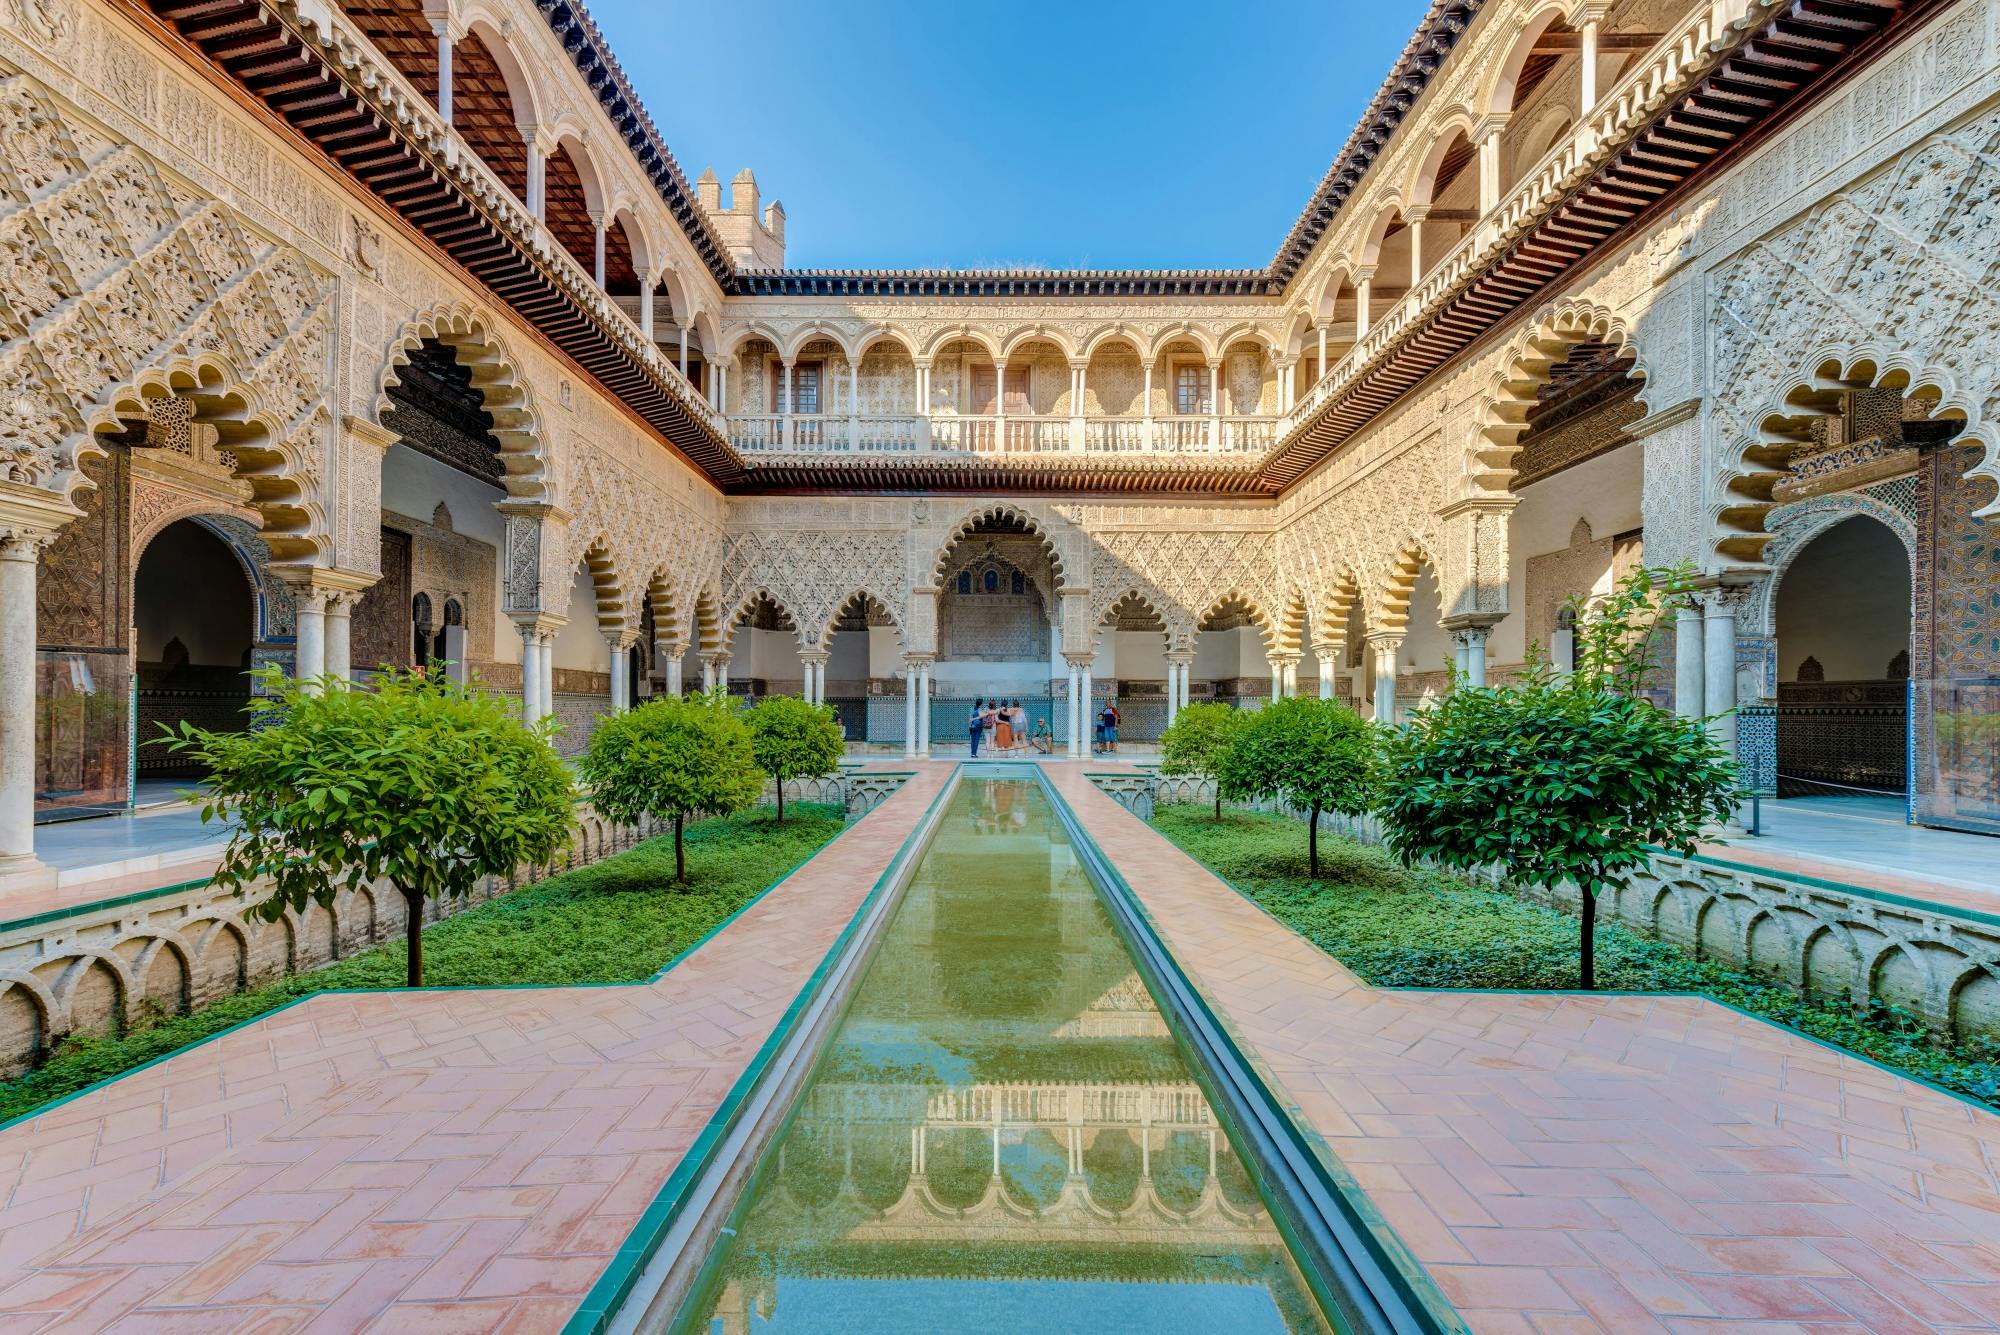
1002	725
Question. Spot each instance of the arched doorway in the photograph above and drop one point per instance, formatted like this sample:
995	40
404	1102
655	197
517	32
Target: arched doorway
1842	619
998	633
194	617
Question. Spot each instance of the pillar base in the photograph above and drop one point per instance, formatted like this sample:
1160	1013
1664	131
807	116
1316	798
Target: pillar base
24	871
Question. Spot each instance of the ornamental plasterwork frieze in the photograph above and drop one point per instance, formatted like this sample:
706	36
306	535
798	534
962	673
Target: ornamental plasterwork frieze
1891	277
122	288
812	573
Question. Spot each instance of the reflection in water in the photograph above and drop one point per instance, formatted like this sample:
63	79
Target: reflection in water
1002	1134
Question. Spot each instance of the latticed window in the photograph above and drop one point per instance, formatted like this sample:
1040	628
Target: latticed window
1191	389
805	387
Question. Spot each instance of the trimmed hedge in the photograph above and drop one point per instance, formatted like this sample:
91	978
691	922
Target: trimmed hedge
1402	927
615	921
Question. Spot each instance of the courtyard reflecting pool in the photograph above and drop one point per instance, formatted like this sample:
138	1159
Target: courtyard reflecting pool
1002	1133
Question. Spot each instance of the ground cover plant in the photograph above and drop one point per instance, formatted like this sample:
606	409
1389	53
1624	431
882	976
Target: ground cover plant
1397	926
618	920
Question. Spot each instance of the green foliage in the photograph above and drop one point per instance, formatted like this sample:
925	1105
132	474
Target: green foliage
419	780
1558	778
1317	755
1415	927
794	740
1197	740
605	923
673	758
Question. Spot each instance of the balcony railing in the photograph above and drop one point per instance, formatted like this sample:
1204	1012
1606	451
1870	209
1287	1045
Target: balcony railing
826	433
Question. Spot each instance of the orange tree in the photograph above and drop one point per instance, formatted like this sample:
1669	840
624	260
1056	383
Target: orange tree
1555	778
1317	755
671	758
418	780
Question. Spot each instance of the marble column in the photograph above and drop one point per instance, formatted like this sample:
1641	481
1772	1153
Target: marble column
531	674
621	677
1719	660
1089	729
339	635
1460	655
546	693
309	651
910	676
924	708
1690	661
19	552
669	654
441	29
1475	654
1327	656
1386	648
1075	709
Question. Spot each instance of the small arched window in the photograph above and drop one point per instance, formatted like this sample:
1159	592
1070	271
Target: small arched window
965	581
992	580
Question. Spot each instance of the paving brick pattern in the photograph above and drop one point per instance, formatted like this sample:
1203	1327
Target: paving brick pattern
441	1161
1616	1164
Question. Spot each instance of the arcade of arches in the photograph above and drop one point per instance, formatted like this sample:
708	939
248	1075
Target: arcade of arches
254	422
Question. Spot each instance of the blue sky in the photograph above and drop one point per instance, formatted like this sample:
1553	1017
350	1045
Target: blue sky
1089	134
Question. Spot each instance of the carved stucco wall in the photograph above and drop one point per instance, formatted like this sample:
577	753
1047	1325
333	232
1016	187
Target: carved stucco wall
311	297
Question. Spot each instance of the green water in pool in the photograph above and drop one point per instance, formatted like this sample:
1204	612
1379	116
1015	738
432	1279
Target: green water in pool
1002	1134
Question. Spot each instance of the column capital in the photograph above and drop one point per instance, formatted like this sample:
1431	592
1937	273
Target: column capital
814	655
323	584
1389	640
1493	122
1416	213
537	623
918	660
1467	623
30	515
1180	656
1362	273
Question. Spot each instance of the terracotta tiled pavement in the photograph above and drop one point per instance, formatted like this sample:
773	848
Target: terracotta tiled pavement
442	1161
1619	1164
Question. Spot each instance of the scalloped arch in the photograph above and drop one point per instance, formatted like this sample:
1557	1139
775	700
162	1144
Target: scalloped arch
973	518
1530	360
505	393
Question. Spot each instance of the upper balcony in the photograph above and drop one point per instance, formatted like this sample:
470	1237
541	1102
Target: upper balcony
1186	396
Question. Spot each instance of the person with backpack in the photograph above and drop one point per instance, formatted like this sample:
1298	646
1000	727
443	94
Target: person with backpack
1107	724
977	725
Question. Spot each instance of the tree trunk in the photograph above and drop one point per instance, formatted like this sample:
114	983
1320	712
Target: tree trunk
413	934
1312	843
781	801
1589	909
680	853
1218	799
